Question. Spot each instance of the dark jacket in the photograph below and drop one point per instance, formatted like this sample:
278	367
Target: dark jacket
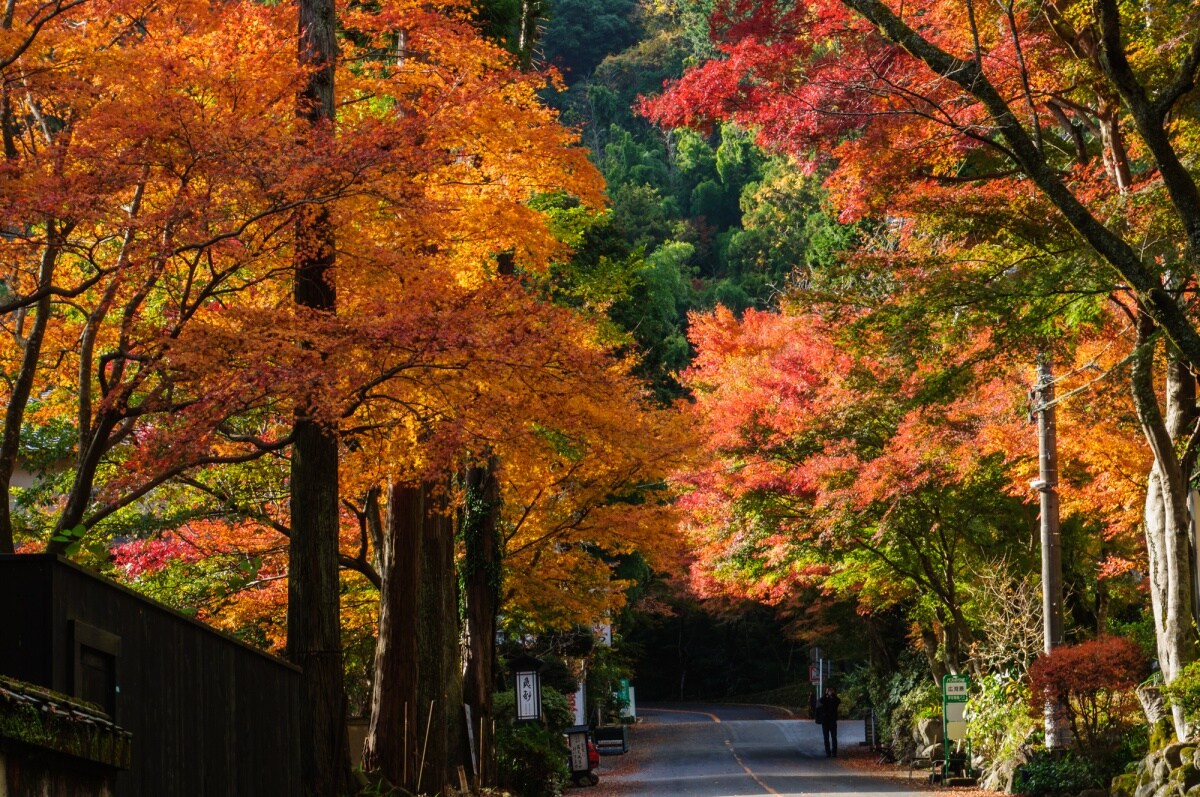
827	710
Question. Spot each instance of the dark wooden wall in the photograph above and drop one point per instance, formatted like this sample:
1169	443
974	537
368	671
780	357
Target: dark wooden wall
209	715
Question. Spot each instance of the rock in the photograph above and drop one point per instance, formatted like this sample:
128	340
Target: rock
1001	774
1186	776
998	775
1146	789
1153	704
927	731
1124	785
1093	793
1173	753
1160	770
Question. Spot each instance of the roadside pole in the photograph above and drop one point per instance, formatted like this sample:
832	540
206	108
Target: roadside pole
1057	732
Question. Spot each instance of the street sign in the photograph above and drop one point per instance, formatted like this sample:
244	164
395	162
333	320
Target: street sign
955	688
814	673
955	691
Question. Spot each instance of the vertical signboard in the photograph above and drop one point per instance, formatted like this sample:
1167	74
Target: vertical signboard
954	703
579	704
528	699
624	695
577	743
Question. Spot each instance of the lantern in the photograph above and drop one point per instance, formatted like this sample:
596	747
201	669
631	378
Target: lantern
527	681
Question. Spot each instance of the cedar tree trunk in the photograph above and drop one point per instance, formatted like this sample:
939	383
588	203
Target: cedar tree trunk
415	739
392	748
481	596
314	628
440	688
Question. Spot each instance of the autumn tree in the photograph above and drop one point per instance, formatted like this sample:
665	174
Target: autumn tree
574	455
173	215
1095	681
825	468
1007	115
140	246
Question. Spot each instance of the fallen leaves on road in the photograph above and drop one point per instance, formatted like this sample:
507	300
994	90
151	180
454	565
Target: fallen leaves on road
864	760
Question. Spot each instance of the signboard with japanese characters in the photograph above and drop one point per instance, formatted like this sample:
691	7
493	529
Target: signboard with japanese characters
955	691
528	700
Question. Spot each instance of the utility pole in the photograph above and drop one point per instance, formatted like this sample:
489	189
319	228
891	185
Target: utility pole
1057	733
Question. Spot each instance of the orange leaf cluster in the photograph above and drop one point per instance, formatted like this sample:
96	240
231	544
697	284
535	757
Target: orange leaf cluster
153	174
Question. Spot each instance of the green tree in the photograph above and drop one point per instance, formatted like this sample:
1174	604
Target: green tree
581	33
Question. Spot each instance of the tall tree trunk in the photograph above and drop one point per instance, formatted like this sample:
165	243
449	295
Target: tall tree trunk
1116	156
91	451
1103	601
392	747
415	739
480	576
929	644
1167	519
314	629
440	688
533	13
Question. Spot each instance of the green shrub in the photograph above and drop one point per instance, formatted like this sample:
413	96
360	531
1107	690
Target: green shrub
893	696
1049	772
531	757
605	670
1135	744
1184	692
923	701
998	721
861	690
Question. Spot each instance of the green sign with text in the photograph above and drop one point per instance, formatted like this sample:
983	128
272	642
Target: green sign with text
955	689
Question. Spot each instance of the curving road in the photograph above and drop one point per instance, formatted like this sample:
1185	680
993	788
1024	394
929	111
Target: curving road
734	751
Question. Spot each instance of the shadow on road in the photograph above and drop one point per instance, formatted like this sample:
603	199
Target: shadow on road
707	750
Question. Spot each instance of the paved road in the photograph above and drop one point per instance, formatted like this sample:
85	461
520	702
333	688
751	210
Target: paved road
734	751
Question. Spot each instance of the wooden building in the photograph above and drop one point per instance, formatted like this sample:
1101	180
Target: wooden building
209	715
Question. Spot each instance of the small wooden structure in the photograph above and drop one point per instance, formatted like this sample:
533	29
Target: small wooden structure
208	715
52	745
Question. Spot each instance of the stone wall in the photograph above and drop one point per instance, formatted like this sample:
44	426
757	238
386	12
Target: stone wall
1173	771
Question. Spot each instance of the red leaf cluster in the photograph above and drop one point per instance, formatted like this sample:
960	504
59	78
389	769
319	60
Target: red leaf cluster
1094	683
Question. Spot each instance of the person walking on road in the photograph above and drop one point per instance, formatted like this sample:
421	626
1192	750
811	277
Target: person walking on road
827	715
